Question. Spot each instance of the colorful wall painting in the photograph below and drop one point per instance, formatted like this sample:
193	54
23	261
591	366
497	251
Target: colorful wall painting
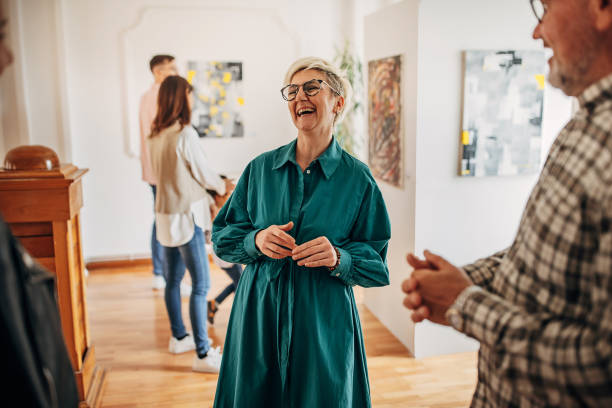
218	98
386	139
503	98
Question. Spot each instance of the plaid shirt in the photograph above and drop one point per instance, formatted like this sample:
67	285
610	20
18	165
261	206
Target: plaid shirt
542	310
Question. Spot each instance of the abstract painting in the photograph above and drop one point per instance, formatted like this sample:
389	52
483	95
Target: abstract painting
218	98
386	141
503	97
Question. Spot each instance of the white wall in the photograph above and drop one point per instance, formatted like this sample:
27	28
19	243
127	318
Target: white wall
12	94
74	100
388	32
118	207
465	218
69	88
262	67
32	99
10	133
461	218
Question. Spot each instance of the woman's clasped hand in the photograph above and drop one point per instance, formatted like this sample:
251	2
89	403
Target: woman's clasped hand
276	243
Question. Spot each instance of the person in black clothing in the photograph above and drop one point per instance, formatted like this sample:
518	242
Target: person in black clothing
234	272
36	369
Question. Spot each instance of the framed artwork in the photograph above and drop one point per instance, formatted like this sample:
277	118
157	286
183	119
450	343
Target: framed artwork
385	130
218	98
503	99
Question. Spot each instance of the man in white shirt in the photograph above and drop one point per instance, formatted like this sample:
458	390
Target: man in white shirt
161	66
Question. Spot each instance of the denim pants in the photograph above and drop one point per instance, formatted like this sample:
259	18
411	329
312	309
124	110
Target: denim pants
193	255
157	251
234	272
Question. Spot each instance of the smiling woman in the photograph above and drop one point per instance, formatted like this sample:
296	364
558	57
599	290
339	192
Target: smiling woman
324	75
294	337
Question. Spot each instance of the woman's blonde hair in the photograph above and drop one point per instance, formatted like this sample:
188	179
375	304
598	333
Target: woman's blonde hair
335	78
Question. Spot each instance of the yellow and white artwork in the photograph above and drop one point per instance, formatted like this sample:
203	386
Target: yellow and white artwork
218	98
503	99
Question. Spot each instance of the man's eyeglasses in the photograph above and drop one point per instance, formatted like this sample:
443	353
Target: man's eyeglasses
311	88
539	9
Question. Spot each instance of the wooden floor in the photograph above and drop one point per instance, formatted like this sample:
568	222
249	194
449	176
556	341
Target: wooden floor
130	330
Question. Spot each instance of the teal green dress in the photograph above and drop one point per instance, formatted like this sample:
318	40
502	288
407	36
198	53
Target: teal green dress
294	337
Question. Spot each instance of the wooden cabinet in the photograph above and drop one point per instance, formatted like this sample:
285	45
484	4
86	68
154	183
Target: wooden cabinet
41	200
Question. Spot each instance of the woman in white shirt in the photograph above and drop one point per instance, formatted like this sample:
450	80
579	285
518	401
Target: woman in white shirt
181	213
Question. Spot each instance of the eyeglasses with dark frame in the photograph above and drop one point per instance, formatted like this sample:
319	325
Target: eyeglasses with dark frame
539	8
311	88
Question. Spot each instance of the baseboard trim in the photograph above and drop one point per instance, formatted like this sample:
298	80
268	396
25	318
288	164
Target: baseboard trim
117	263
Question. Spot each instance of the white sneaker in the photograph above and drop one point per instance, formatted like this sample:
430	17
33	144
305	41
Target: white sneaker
185	289
209	364
181	346
159	282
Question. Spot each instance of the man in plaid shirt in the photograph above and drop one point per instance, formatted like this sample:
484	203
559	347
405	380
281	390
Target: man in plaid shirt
542	309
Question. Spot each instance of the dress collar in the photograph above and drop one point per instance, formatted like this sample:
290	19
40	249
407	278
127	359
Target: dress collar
328	160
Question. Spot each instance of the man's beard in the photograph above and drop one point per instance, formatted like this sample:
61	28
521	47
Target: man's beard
572	77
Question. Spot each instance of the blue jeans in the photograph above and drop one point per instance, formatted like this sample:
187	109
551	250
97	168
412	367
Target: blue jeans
234	272
157	252
193	255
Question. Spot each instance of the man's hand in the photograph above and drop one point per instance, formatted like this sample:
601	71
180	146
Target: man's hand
315	253
214	210
275	242
433	287
229	186
221	199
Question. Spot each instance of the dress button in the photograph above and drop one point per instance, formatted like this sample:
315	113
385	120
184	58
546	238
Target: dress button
308	171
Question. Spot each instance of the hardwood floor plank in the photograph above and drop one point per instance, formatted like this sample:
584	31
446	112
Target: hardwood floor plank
130	328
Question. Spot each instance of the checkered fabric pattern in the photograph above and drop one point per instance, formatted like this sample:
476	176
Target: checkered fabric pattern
543	315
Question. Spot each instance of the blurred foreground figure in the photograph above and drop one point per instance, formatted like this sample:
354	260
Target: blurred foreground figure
36	370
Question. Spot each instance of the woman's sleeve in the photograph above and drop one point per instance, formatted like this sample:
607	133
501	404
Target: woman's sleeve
233	233
363	260
192	152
